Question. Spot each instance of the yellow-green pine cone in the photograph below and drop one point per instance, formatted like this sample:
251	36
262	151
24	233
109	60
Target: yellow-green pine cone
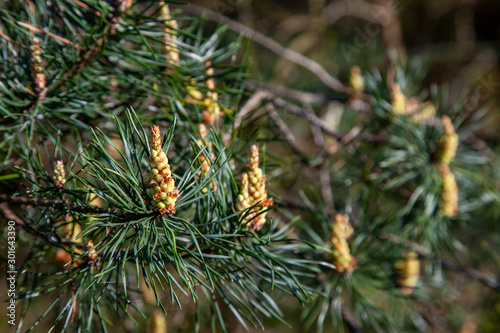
207	158
257	190
243	198
205	162
253	192
253	161
169	38
162	185
125	5
194	93
426	112
157	322
211	114
407	273
203	131
449	142
59	174
37	73
92	254
449	192
209	73
340	254
356	80
398	100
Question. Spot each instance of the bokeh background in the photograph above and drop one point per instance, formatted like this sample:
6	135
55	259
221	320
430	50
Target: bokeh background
458	42
459	39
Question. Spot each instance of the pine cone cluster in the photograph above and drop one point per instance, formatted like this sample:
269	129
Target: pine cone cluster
341	255
162	184
253	193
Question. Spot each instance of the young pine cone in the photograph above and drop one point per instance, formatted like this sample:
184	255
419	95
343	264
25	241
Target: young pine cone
59	174
37	73
162	184
449	192
449	142
341	255
407	273
253	192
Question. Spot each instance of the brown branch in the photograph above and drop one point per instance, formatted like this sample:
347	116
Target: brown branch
324	172
19	161
296	204
7	38
263	95
351	135
287	133
326	188
382	13
41	31
304	97
252	103
311	117
56	204
355	8
292	56
11	216
349	320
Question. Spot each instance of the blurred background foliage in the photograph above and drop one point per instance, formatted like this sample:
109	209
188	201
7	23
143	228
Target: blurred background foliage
458	44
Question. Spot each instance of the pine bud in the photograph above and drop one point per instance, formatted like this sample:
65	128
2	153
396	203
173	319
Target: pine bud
62	258
205	164
203	131
449	142
449	192
398	100
426	111
37	73
340	254
205	159
407	273
91	256
59	174
356	80
211	114
162	185
194	93
243	200
253	192
209	72
169	38
157	323
122	5
125	5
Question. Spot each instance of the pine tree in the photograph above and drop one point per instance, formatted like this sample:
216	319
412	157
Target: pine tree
147	175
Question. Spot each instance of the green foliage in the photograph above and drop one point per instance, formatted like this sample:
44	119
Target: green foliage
96	246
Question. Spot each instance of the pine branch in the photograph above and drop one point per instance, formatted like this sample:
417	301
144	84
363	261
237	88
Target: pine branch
272	45
54	239
303	97
313	119
56	204
349	320
41	31
287	133
262	95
